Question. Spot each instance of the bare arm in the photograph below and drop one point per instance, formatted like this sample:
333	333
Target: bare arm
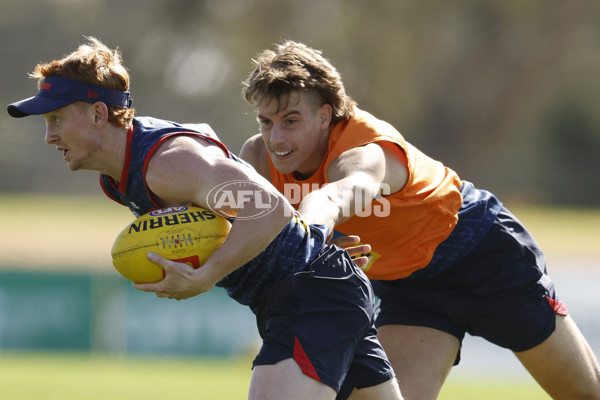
355	179
358	172
183	172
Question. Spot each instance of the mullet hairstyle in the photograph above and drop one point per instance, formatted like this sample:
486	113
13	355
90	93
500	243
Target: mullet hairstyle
96	64
297	67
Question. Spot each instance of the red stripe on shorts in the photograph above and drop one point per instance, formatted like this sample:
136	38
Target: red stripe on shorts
558	307
302	359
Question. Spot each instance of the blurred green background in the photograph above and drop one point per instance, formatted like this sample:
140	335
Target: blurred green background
506	92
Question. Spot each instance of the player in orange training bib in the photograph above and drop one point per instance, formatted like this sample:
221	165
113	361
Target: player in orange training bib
446	259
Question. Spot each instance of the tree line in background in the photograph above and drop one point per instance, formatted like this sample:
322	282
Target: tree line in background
505	92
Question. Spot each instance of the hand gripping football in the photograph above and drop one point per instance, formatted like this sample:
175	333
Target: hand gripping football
183	234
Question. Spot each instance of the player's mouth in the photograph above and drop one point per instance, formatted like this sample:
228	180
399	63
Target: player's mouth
65	152
281	154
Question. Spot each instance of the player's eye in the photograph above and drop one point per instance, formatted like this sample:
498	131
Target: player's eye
52	120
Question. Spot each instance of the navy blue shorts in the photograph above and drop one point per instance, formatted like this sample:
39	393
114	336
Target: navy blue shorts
499	291
323	318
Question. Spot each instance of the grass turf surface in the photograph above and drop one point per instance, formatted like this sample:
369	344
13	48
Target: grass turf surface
28	376
93	377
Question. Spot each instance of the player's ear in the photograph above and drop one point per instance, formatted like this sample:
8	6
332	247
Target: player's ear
325	113
99	113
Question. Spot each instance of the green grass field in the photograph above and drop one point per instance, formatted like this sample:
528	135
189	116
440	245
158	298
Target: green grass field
84	377
94	377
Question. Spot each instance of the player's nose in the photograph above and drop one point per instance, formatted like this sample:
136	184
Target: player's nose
277	136
51	136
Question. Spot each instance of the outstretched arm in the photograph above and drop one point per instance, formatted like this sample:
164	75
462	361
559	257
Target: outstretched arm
360	166
355	178
183	173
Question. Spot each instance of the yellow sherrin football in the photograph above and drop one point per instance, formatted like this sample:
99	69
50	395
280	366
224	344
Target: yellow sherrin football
183	234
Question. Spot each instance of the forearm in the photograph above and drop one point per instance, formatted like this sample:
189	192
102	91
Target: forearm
335	202
246	240
319	207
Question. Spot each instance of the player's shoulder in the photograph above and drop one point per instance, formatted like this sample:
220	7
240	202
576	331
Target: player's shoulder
254	144
254	150
181	152
183	142
254	153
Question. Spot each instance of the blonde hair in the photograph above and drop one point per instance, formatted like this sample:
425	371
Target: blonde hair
92	63
297	67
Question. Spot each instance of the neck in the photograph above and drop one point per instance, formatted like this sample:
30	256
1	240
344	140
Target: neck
316	159
116	150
